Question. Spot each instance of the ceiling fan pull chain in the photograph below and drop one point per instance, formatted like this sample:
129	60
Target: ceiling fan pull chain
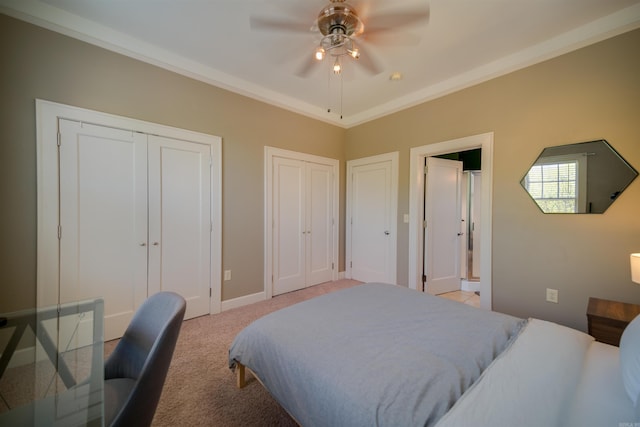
341	90
329	91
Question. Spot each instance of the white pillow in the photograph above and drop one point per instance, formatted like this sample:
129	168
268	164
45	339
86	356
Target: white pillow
630	359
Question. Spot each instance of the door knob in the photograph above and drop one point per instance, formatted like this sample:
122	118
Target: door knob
155	243
143	244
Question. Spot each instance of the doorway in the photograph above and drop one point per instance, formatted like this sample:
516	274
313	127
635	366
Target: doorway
416	207
458	196
442	236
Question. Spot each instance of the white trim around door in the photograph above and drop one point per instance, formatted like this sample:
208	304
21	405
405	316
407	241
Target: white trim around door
416	206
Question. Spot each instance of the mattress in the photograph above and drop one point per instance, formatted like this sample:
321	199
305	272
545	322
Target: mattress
374	354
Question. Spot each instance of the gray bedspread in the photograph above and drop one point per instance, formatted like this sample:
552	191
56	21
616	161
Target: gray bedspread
372	355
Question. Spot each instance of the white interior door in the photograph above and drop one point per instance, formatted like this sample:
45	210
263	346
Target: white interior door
180	221
95	234
372	219
289	262
476	217
443	225
301	209
303	224
103	219
319	223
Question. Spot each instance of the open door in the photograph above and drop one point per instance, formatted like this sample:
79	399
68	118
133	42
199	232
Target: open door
443	225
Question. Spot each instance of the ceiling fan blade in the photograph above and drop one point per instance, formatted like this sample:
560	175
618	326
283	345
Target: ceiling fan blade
307	67
395	21
368	62
387	38
285	25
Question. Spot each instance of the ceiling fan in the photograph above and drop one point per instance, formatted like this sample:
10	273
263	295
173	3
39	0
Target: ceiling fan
344	33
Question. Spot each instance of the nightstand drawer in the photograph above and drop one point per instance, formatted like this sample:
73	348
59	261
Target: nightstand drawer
606	331
607	319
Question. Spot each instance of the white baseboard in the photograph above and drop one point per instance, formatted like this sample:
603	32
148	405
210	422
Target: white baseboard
242	301
470	286
250	299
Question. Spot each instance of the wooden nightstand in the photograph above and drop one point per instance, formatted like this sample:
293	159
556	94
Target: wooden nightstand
607	319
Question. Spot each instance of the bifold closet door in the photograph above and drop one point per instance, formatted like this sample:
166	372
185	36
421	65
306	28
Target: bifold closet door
289	228
180	221
103	219
135	219
319	220
302	224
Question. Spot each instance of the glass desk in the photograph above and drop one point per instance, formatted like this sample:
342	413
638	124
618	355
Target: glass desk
52	367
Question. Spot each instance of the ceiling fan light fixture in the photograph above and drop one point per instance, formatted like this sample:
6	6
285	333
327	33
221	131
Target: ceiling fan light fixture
354	53
320	53
337	68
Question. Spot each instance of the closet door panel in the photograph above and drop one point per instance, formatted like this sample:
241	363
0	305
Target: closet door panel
103	219
319	223
289	227
180	221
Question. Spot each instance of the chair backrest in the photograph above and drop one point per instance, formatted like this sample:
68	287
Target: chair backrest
144	354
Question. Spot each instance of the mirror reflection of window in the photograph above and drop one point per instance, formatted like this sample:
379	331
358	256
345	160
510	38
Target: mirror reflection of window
559	181
558	184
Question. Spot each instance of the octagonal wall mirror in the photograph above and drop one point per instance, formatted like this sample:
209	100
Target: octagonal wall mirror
586	177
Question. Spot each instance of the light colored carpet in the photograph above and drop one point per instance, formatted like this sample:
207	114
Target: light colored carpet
200	389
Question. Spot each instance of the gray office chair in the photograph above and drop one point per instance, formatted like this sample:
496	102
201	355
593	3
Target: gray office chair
135	372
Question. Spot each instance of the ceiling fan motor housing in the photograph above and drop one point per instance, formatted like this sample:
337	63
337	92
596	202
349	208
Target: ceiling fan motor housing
339	18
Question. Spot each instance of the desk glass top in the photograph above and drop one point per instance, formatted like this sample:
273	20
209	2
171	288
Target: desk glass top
52	368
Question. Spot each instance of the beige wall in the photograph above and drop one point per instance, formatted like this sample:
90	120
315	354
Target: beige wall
585	95
37	63
591	93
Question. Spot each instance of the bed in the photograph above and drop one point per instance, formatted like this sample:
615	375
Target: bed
384	355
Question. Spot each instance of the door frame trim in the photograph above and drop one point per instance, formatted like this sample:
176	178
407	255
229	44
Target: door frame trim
47	115
416	206
269	154
393	157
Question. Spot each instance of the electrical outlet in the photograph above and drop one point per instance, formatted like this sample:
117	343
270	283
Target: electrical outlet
552	295
227	275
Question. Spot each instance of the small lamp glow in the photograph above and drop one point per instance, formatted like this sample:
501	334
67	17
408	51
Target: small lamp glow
635	268
319	53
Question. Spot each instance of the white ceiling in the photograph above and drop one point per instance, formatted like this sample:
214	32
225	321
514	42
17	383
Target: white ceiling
463	43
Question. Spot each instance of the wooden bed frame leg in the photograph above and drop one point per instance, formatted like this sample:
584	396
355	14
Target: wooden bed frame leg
241	382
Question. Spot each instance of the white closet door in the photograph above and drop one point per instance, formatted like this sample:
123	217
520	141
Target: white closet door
319	223
289	241
103	219
180	221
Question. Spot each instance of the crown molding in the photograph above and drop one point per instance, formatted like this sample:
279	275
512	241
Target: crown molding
60	21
